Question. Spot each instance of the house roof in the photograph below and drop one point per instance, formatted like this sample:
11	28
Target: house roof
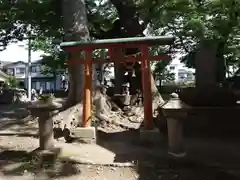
4	63
37	61
8	63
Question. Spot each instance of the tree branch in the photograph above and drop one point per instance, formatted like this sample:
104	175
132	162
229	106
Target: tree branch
129	18
180	38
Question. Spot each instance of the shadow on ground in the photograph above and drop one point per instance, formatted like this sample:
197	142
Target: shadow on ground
16	121
212	159
16	163
13	114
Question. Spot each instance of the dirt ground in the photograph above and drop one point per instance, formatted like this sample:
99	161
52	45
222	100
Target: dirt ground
117	155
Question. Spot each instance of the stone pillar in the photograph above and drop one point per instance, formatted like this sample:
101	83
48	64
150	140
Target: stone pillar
175	135
175	111
44	112
46	153
206	67
45	123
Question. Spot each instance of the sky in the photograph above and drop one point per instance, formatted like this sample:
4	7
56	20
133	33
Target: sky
18	52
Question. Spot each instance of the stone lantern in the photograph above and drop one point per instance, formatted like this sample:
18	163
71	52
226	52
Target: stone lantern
175	111
44	110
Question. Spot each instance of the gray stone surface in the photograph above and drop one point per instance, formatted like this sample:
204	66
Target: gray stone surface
149	136
87	134
47	157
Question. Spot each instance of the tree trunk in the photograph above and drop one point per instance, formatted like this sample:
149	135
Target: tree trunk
157	98
221	64
75	28
130	23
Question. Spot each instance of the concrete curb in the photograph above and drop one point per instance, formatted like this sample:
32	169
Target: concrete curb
89	162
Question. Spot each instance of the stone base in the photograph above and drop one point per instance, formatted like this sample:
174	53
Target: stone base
149	136
175	138
46	157
84	134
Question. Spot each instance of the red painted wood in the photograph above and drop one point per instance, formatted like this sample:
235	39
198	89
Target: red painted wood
87	94
145	67
147	91
125	59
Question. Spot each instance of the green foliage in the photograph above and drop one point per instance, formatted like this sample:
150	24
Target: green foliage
12	82
194	21
161	73
191	21
168	89
54	59
43	15
46	97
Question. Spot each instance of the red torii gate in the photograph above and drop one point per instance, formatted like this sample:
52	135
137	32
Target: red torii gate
142	43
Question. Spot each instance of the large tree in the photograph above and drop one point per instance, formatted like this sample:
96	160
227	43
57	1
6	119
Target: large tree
76	29
190	21
194	22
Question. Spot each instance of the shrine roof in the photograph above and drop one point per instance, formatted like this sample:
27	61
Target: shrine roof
151	41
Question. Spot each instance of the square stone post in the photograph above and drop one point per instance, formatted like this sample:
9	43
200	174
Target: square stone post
175	111
206	67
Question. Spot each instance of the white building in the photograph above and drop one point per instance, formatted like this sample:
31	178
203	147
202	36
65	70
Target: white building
181	72
19	70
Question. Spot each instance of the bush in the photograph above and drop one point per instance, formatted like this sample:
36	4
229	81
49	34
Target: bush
167	89
11	82
46	97
174	87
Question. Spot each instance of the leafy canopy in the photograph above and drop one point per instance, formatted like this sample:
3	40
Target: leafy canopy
191	21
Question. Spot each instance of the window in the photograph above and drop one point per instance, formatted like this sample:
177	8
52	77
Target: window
48	84
172	67
20	70
182	75
37	85
182	71
33	69
36	69
43	85
52	86
34	85
10	71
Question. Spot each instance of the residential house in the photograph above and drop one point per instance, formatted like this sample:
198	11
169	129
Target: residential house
18	69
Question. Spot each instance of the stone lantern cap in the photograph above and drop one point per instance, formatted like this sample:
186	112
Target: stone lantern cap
44	105
175	103
175	108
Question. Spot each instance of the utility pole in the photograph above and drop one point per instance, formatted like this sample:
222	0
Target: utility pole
29	80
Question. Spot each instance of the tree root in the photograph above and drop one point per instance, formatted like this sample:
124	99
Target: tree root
103	116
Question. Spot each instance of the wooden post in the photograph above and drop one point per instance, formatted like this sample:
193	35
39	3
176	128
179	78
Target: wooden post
147	91
87	99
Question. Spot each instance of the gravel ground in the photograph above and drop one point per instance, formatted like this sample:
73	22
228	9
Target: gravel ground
17	164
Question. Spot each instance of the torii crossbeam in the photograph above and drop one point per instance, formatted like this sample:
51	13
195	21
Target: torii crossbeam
142	43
